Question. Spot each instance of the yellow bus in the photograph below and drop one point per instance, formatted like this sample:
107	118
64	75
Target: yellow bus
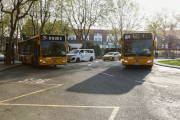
137	49
43	50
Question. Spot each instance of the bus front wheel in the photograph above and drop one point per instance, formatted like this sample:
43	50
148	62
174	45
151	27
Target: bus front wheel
32	61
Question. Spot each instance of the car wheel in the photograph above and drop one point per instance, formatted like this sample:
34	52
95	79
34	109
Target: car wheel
112	59
91	59
68	61
77	60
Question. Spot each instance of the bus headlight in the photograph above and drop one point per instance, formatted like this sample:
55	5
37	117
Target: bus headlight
43	61
149	61
125	61
64	60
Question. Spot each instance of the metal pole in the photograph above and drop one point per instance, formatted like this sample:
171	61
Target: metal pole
61	18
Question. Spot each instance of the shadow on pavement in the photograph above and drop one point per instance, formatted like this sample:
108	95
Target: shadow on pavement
123	81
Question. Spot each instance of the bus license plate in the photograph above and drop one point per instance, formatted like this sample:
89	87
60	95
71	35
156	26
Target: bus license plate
54	63
137	63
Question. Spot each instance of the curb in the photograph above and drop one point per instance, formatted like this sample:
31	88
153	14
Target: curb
6	68
172	66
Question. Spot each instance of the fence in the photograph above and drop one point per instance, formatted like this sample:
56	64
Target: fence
167	53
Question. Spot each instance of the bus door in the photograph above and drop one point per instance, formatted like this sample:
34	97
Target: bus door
36	53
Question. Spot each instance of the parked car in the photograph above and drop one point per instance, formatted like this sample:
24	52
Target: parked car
78	55
1	56
112	56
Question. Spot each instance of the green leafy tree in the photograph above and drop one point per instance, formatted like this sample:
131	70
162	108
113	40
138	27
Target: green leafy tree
90	45
17	10
125	17
83	14
163	24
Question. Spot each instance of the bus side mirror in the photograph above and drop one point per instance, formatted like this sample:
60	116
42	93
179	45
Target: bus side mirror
38	42
154	42
66	44
119	41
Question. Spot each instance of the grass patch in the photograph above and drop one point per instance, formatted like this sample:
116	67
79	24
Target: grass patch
171	62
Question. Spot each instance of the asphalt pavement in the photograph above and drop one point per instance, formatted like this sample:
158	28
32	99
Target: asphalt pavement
4	66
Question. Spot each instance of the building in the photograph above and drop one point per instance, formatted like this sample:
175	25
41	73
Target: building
103	38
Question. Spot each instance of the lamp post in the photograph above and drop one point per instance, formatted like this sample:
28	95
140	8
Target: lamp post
61	18
1	36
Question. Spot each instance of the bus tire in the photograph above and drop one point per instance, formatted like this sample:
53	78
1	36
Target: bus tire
32	61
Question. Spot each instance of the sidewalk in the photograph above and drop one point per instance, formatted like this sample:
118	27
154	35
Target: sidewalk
172	66
5	66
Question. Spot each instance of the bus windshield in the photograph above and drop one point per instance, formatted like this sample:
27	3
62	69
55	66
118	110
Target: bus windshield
53	48
137	47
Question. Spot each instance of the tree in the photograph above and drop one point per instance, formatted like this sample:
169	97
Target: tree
83	14
17	10
124	17
28	28
90	45
54	28
163	25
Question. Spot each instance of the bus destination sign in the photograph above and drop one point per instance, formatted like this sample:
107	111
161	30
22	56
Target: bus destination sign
52	38
138	36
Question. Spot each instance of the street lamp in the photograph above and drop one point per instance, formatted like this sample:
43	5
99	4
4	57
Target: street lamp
1	36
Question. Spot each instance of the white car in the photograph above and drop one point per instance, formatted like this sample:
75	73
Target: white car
1	56
78	55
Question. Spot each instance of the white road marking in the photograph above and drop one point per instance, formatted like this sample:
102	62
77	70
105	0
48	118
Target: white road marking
91	68
151	83
89	64
32	80
108	74
114	113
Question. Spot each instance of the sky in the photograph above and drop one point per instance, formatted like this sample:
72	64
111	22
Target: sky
152	6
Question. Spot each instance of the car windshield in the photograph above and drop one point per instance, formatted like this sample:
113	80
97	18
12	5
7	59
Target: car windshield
110	53
74	51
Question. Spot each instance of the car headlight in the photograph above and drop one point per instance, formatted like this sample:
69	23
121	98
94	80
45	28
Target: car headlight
64	60
149	61
43	61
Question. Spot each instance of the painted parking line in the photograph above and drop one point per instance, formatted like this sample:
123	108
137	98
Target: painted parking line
30	93
108	74
112	116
